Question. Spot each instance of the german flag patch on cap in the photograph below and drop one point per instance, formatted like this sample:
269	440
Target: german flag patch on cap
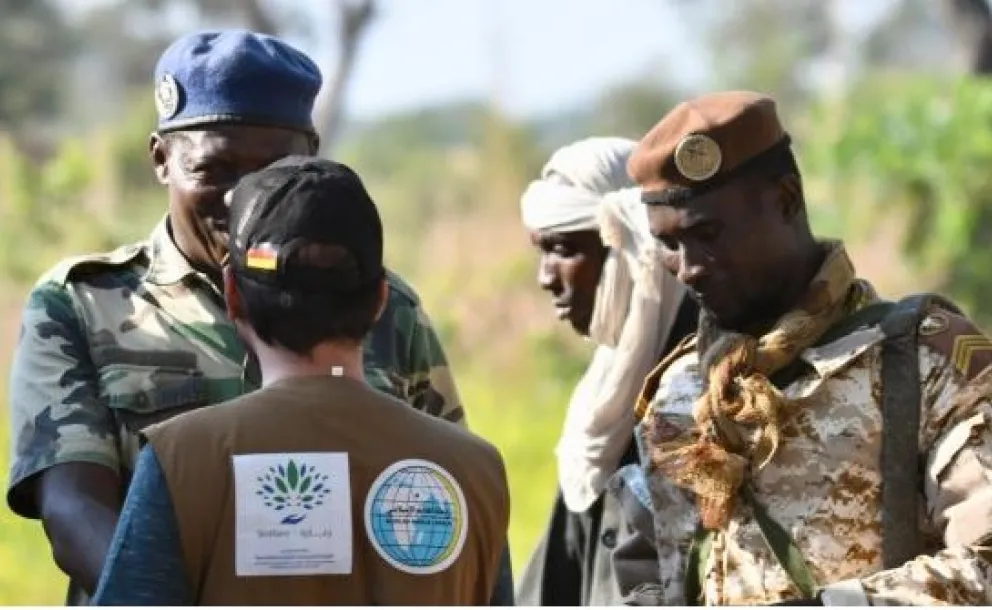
263	256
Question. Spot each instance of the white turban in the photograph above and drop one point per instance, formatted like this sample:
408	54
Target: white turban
568	196
585	186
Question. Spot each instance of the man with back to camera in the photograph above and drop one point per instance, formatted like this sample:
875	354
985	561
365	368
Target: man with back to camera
315	489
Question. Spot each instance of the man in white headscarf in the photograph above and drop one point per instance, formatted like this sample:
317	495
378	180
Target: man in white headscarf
598	261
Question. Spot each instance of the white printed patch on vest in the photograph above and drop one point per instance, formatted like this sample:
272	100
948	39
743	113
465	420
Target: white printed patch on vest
416	517
292	514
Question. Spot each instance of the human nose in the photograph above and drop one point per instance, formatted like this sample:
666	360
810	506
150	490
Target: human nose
547	275
690	269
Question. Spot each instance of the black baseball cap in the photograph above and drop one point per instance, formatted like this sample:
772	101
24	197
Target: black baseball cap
305	226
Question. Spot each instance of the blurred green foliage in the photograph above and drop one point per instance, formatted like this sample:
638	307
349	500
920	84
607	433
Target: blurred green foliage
33	34
916	151
897	151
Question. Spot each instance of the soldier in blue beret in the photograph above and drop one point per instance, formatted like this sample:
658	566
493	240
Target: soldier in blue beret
114	342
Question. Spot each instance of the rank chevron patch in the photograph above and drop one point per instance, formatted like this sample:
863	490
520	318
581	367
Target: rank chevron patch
965	347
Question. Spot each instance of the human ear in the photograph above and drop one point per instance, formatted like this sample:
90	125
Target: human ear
158	152
790	196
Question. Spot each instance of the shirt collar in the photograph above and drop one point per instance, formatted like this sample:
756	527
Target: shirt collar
830	358
167	264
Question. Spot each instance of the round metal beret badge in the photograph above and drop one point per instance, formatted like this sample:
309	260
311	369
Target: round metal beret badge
698	157
167	97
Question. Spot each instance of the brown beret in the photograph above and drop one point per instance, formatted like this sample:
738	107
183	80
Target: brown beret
703	141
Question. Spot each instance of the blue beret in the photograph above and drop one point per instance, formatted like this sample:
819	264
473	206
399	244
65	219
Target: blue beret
234	76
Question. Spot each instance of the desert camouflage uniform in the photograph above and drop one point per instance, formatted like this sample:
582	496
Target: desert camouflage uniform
111	343
824	484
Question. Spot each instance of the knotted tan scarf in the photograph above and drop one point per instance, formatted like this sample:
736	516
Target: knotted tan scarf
739	415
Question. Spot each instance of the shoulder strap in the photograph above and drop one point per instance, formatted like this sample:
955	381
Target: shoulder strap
401	287
69	268
869	315
902	539
789	557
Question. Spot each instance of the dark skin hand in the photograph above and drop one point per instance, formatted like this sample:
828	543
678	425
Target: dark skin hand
79	502
570	266
744	249
79	505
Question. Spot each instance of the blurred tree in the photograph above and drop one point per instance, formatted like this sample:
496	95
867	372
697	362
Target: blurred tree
971	21
630	110
352	18
35	42
796	49
442	161
911	35
912	153
125	38
764	45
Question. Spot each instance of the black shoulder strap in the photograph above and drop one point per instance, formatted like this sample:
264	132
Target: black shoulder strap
902	476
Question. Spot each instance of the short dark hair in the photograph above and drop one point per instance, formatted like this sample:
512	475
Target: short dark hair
299	322
306	253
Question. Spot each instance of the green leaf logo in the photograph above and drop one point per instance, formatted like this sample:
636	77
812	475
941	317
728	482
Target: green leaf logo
293	490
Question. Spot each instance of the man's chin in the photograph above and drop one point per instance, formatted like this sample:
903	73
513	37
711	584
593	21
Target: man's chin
580	324
723	316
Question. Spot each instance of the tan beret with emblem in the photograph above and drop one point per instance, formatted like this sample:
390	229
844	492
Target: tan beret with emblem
705	140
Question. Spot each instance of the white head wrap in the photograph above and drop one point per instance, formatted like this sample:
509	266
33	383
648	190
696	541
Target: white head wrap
585	186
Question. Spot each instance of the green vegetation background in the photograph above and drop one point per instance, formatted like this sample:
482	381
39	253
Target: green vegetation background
899	168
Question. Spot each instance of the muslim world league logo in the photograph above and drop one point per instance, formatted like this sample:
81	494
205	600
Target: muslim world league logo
292	490
416	518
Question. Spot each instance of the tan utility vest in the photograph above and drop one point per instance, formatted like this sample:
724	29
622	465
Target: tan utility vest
423	532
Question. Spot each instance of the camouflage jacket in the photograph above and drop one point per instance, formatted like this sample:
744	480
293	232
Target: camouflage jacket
111	343
823	486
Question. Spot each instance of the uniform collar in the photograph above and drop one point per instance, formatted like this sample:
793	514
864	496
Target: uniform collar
167	264
830	358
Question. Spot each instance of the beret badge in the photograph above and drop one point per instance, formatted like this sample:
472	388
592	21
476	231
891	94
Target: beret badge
167	97
698	157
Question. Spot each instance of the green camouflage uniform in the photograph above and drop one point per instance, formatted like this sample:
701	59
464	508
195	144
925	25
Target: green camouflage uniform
111	343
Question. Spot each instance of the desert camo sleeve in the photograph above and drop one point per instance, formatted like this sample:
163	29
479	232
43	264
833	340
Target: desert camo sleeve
956	439
55	412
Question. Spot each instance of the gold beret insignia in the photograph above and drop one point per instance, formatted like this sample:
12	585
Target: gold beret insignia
698	157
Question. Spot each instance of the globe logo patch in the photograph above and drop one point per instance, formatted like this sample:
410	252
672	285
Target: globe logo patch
292	490
416	517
